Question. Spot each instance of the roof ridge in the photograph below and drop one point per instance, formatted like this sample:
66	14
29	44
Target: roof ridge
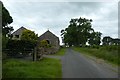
46	32
19	29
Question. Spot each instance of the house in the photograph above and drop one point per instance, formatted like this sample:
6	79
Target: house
17	34
52	39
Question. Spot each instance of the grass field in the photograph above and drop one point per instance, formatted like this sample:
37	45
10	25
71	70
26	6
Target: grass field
108	53
46	68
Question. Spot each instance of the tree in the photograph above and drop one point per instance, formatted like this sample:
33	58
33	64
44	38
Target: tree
6	29
29	35
43	43
25	45
95	38
77	32
6	20
115	41
107	40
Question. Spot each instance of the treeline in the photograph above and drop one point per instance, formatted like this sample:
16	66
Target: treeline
110	41
80	32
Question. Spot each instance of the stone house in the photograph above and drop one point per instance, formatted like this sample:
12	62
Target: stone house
52	39
17	34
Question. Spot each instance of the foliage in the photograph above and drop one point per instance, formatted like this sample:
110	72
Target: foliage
44	44
116	41
46	68
110	48
29	35
6	20
107	40
4	41
78	33
19	46
6	30
95	38
108	53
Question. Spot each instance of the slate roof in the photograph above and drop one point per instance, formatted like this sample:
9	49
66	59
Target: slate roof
19	31
49	33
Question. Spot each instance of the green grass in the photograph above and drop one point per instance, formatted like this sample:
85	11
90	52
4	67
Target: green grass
110	56
61	52
46	68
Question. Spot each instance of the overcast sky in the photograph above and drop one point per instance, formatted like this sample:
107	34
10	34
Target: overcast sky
41	16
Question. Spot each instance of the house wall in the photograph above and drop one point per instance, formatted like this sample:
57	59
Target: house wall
18	32
15	38
54	41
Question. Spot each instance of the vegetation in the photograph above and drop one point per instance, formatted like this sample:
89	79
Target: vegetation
61	52
79	32
15	47
46	68
108	53
44	44
29	35
6	20
4	41
25	45
107	40
6	29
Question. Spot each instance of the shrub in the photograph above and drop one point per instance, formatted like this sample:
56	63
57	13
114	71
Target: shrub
19	46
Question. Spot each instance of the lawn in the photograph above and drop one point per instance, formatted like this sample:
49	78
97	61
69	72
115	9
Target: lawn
61	52
110	55
46	68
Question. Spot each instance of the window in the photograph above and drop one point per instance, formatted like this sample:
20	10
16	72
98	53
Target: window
17	36
48	41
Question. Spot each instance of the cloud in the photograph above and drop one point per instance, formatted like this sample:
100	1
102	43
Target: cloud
39	16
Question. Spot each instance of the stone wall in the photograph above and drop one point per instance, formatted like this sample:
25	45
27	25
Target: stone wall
53	41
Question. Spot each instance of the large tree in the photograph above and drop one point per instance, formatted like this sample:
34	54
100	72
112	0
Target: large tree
95	38
78	32
6	29
6	20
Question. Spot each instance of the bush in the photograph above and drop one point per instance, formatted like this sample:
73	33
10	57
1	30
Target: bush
109	53
110	47
4	41
19	46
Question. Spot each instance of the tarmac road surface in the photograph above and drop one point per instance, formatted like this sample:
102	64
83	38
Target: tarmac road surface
76	65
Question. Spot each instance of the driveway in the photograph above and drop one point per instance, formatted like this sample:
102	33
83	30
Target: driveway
76	65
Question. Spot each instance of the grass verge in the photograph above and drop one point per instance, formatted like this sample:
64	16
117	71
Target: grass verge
110	56
46	68
61	52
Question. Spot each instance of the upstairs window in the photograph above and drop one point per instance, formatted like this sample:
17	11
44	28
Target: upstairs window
16	36
48	41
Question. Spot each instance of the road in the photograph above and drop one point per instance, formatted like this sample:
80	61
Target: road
76	65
